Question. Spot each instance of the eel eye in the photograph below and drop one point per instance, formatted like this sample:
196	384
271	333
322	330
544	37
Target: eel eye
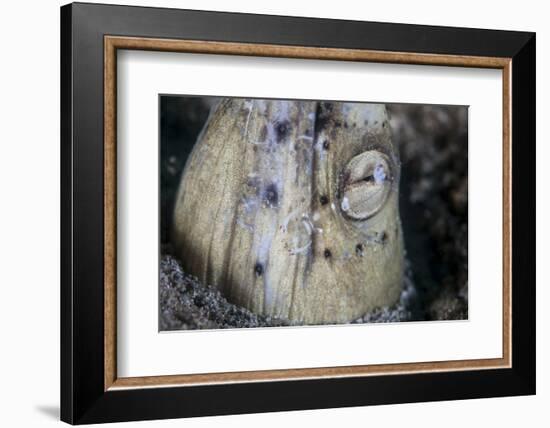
366	185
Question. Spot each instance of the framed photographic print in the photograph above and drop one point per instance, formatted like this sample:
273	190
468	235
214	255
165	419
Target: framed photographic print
264	213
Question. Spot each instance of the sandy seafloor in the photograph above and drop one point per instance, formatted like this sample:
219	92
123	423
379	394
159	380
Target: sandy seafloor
433	146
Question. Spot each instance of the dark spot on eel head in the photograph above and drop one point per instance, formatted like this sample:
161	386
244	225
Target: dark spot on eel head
323	115
324	200
282	129
383	237
327	253
271	196
359	250
258	269
326	145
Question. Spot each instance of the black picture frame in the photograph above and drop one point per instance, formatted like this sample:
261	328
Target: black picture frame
83	397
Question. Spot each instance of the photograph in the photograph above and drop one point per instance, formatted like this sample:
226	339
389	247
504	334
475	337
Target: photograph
291	212
261	210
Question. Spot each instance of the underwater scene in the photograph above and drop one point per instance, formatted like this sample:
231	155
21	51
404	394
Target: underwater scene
278	212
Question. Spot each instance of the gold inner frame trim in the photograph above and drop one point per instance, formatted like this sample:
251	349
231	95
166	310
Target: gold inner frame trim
113	43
